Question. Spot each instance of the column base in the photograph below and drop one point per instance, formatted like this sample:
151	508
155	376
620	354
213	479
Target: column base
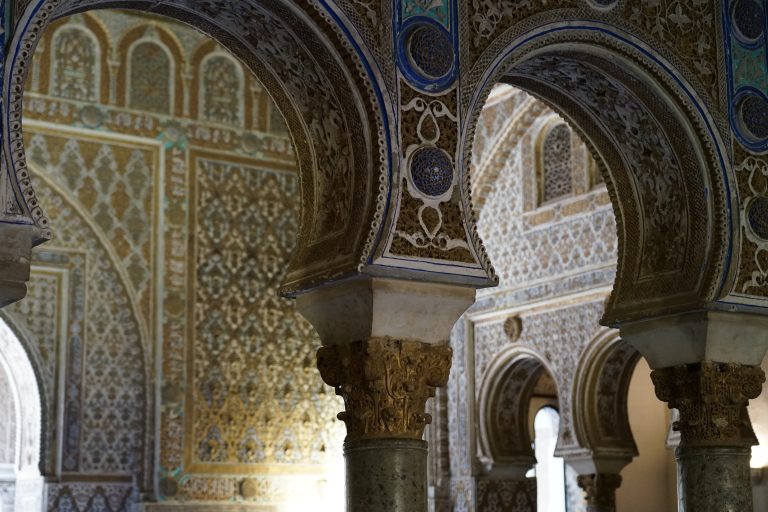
714	479
386	475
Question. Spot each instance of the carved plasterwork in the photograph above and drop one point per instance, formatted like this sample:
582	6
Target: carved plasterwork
541	267
430	222
385	384
488	20
329	107
509	495
82	497
555	163
686	34
600	400
35	319
688	29
712	400
575	234
106	360
752	178
255	369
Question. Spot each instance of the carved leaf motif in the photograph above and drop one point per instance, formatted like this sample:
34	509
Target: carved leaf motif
385	384
712	400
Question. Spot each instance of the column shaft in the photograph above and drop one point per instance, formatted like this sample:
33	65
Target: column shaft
385	475
714	479
385	384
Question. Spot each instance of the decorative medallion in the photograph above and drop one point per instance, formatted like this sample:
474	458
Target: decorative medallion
757	215
430	51
753	114
427	54
747	69
250	143
169	487
174	132
747	16
432	171
513	328
249	488
91	116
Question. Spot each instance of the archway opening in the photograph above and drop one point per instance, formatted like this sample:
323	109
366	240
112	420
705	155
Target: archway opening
549	470
650	481
21	486
519	432
328	108
642	180
656	152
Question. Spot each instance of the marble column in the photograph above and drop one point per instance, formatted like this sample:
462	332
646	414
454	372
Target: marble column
715	432
600	491
385	351
707	366
385	384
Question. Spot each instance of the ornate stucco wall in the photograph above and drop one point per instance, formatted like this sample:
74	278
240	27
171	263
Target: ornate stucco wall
169	363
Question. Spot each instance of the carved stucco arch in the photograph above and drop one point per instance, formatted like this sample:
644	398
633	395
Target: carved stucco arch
504	435
600	416
318	75
673	208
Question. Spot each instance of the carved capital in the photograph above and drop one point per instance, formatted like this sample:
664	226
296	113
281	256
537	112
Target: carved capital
712	400
600	491
385	384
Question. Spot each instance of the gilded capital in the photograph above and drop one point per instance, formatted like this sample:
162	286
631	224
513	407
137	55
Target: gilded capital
600	491
712	400
385	384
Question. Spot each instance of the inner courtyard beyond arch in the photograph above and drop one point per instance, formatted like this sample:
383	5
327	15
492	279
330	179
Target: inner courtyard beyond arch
346	255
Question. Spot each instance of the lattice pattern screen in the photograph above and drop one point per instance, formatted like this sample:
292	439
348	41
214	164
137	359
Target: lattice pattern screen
556	159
